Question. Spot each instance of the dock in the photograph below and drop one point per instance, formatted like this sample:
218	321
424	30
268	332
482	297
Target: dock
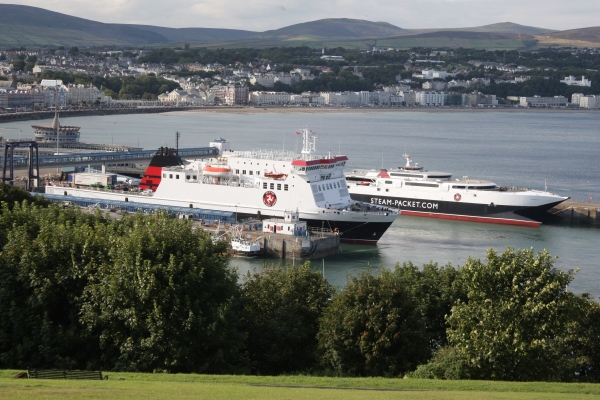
577	212
296	243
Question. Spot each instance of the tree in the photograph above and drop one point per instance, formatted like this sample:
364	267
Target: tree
47	257
73	51
281	311
435	290
512	325
373	327
163	299
12	194
18	65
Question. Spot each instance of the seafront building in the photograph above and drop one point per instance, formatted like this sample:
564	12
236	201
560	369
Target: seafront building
583	101
85	94
539	101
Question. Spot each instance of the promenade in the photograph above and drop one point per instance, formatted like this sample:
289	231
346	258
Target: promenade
49	114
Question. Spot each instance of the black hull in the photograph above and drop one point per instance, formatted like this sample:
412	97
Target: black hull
350	232
499	214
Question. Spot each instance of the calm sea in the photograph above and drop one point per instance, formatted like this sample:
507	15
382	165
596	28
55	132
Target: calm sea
556	150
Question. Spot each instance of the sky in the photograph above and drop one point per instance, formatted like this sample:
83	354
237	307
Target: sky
263	15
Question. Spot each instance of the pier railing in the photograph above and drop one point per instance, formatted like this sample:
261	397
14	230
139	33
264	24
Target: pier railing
102	157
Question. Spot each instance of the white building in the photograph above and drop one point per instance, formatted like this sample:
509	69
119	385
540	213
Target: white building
431	74
78	94
266	80
589	102
434	85
351	99
270	98
396	99
332	58
308	99
430	99
576	97
538	101
571	81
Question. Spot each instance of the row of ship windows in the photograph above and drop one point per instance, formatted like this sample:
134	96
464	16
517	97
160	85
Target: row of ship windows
272	186
237	172
329	185
324	166
435	185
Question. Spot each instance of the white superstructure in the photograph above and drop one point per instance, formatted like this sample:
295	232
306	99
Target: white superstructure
264	183
418	192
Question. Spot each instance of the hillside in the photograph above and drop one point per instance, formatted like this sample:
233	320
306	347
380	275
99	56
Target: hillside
333	29
195	34
33	27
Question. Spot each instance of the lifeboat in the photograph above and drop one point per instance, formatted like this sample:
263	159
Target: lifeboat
274	175
216	170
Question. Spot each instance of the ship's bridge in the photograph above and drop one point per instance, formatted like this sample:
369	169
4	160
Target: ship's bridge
307	166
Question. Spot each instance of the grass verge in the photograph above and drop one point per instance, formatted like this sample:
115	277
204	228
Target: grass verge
169	386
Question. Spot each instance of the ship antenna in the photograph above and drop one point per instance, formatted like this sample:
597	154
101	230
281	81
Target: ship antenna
309	139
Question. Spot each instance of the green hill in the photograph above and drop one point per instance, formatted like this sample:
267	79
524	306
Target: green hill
33	27
333	29
195	34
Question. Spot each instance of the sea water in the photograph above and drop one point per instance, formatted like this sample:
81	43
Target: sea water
557	151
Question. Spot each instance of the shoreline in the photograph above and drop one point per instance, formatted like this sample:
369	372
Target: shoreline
365	110
32	116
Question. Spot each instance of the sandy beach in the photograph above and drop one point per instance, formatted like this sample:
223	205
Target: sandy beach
312	110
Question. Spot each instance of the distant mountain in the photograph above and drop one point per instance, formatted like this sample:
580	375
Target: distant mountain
584	34
196	34
508	27
33	27
332	29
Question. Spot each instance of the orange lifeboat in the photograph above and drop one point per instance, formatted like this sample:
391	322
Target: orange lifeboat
216	170
274	175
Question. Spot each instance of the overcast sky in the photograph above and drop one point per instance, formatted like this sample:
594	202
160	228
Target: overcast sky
262	15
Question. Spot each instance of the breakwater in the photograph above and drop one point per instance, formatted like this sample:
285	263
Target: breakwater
578	212
49	114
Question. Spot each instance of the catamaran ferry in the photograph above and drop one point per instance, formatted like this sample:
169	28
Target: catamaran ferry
416	191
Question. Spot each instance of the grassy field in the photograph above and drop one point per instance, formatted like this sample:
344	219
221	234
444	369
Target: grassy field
182	386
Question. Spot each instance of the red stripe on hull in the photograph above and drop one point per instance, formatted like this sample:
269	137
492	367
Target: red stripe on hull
359	241
489	220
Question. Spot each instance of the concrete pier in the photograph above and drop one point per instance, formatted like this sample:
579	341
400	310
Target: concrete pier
316	244
578	212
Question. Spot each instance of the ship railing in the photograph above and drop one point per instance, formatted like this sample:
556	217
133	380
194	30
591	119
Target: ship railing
275	155
510	189
318	230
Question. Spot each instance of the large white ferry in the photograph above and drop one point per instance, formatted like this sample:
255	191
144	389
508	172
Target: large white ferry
416	191
258	184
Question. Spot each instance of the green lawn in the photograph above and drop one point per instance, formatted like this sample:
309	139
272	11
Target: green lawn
177	386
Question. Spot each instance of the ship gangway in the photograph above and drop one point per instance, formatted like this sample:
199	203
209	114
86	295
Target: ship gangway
73	159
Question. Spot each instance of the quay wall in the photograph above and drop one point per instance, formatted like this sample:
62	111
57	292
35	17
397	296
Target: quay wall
276	245
295	247
578	212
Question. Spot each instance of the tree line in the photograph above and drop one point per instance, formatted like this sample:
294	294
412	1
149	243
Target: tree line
152	294
146	87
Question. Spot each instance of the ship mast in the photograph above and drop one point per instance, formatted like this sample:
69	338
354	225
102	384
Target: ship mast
309	140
